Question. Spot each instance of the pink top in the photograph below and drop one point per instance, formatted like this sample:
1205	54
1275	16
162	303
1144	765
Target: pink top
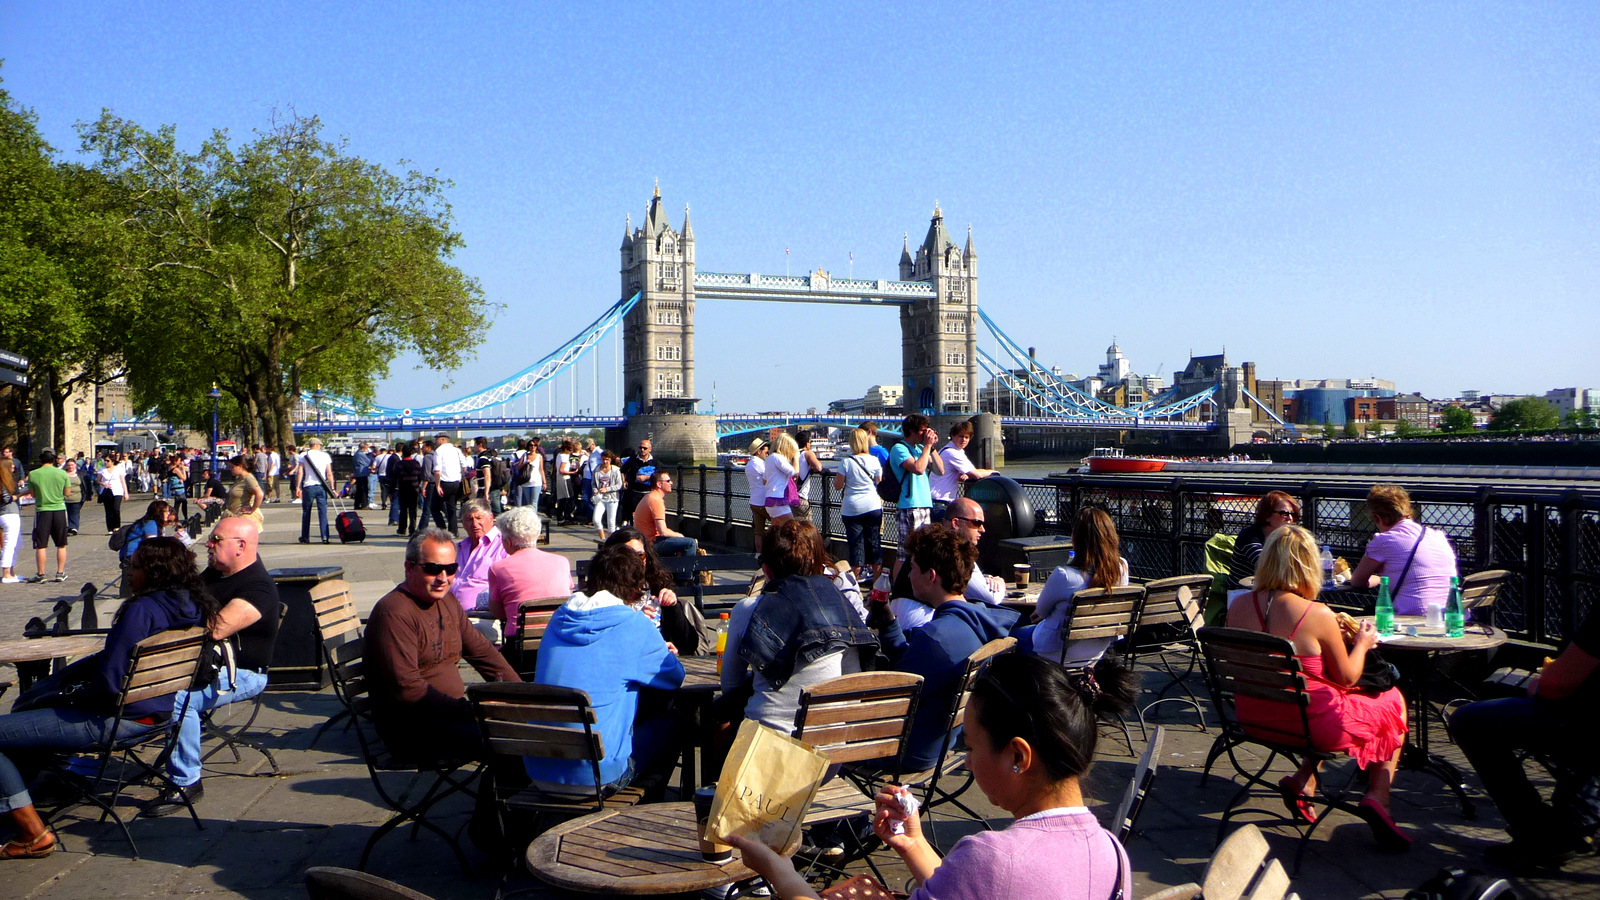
1429	578
472	579
528	574
1055	854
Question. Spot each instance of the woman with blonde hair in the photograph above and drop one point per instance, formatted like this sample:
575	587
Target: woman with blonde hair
1370	728
782	465
860	506
1095	563
1418	561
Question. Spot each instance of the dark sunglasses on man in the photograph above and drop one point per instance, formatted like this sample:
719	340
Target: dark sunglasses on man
433	568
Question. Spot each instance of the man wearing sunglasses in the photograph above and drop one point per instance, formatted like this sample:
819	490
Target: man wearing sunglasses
415	642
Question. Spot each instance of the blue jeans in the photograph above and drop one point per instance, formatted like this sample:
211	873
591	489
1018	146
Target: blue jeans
373	495
862	535
184	764
51	729
1491	732
530	496
676	546
310	494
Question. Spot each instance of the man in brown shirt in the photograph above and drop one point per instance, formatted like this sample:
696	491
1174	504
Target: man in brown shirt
414	645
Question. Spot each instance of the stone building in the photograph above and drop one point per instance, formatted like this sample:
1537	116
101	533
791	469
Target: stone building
939	334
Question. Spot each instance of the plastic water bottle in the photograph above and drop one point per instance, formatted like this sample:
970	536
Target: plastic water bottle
1327	564
1455	614
1385	609
722	639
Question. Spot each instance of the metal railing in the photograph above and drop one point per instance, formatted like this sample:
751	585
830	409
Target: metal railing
1548	540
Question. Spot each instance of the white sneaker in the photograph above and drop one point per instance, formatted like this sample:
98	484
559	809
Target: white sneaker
10	579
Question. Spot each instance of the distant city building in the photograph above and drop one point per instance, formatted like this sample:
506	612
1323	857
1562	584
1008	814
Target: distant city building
1574	400
884	399
1115	369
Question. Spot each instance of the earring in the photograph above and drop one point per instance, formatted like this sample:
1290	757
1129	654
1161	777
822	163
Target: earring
1017	769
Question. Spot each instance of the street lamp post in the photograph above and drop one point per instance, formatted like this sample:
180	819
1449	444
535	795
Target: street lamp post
216	399
316	397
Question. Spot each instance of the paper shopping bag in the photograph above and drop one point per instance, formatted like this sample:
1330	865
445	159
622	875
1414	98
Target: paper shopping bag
767	785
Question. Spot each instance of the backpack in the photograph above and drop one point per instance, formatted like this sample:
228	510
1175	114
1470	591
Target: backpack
119	538
891	487
498	474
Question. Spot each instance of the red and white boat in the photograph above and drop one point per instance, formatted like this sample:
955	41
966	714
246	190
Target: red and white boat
1111	461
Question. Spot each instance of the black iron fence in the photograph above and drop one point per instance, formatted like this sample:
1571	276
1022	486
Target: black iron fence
1549	541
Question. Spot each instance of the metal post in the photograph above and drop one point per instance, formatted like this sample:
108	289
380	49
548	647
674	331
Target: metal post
727	503
1177	529
1567	568
216	397
1533	585
702	501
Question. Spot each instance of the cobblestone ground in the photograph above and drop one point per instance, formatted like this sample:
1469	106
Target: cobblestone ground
261	832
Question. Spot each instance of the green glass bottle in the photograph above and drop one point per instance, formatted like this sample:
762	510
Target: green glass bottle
1455	616
1385	610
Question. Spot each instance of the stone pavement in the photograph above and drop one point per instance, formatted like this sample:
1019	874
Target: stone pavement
261	832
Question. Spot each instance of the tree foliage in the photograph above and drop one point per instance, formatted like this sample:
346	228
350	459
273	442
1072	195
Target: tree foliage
1455	420
1404	428
1525	414
282	263
1351	430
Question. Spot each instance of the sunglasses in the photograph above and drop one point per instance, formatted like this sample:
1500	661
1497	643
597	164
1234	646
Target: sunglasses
1286	513
431	568
975	523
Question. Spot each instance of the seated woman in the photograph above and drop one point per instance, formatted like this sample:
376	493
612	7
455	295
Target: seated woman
801	631
526	572
1031	729
1274	510
597	644
76	710
1418	561
1372	729
1094	564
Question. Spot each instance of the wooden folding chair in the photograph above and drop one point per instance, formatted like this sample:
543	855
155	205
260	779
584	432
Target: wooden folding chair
1104	613
333	883
1262	667
162	665
1168	620
1479	591
337	624
1240	868
231	737
533	617
855	719
1126	814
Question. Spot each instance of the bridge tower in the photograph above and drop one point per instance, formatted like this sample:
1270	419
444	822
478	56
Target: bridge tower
658	335
938	335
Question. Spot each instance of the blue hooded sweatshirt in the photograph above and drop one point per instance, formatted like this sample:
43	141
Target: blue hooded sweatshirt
609	650
938	652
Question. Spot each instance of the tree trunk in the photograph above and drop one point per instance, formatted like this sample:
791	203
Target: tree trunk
45	420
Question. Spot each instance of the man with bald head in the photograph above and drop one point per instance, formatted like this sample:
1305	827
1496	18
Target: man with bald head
239	581
967	518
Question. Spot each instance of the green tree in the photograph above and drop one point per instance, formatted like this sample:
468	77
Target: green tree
284	263
1455	419
1525	414
1350	430
1404	428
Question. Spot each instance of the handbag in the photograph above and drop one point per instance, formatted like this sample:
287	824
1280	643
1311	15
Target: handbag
1377	674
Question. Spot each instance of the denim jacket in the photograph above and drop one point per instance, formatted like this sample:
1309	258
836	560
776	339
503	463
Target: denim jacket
804	619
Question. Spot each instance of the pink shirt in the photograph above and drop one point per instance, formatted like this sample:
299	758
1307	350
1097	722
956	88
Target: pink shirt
528	574
472	579
1429	578
1058	854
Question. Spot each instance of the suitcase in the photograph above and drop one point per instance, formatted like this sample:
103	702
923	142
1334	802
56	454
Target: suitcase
348	524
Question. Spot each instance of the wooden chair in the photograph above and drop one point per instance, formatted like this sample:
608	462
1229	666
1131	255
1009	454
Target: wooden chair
533	617
542	721
1479	591
232	737
1168	621
332	883
1099	613
337	624
162	665
952	760
1240	868
346	661
1262	667
1126	814
856	719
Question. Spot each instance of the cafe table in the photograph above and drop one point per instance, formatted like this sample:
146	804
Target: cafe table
40	649
1413	647
1023	600
653	848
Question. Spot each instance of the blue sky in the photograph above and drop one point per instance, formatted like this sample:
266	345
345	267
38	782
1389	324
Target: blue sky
1346	189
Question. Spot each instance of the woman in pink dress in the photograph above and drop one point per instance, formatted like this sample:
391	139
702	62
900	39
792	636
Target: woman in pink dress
1370	728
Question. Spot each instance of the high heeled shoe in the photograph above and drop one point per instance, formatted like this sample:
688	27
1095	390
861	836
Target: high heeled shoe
1384	830
1298	803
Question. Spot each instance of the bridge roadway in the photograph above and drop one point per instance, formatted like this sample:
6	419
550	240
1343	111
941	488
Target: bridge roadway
1468	480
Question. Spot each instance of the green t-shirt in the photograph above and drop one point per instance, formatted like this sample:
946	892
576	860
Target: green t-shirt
49	487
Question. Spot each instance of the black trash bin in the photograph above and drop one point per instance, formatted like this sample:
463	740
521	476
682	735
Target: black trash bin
1008	514
297	655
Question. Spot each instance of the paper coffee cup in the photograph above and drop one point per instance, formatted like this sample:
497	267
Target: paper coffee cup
710	849
1021	572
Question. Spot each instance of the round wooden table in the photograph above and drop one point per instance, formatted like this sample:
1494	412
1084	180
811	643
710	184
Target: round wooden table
40	648
649	849
1419	650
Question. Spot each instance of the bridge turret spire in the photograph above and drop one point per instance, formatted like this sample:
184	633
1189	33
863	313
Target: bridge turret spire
906	265
627	232
688	230
971	252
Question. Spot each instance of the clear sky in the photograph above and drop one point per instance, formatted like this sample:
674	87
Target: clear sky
1410	191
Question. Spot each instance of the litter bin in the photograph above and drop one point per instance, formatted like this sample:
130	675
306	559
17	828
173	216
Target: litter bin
1008	514
297	655
1044	552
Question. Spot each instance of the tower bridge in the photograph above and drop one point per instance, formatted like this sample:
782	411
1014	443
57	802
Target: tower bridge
936	292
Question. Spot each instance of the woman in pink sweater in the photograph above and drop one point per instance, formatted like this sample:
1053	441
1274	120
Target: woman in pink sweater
1032	730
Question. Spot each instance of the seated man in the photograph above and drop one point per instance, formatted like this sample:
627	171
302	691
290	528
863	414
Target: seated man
1557	719
941	564
416	637
650	517
967	518
238	580
597	643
